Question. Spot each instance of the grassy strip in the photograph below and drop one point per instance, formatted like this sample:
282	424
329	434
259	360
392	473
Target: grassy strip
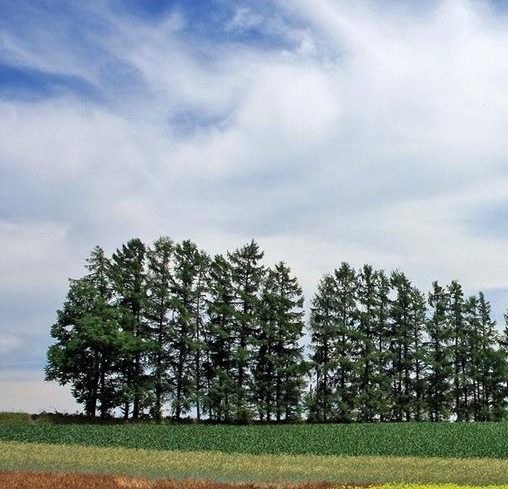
224	467
451	440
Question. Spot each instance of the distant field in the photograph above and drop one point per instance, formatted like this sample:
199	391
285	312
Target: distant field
236	467
426	453
450	440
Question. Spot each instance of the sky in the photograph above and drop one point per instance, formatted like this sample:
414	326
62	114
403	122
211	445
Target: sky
327	130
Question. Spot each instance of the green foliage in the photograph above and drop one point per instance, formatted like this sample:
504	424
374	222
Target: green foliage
15	418
168	327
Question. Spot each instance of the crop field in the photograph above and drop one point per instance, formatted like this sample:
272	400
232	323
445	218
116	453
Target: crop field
231	467
450	440
432	454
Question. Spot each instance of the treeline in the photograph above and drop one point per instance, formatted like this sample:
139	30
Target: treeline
168	326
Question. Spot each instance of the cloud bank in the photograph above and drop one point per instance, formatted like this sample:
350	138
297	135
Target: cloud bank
327	130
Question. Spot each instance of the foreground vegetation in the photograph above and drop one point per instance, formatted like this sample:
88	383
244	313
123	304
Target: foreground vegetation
450	440
234	467
374	453
45	480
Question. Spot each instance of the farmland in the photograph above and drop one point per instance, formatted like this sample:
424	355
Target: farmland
233	467
474	454
449	440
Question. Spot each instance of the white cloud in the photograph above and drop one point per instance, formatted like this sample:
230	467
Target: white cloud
372	134
9	343
34	257
28	392
244	19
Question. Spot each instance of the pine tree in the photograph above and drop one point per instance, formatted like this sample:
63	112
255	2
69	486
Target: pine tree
488	368
279	366
401	346
382	343
417	317
129	281
187	289
460	340
324	331
219	336
369	332
199	344
346	347
160	310
247	274
440	368
88	339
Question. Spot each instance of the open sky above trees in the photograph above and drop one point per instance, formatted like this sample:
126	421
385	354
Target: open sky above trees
327	130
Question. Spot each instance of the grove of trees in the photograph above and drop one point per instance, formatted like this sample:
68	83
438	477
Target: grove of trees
167	330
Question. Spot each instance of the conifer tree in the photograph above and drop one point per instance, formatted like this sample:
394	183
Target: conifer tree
199	341
488	368
324	331
346	348
279	366
188	289
160	310
88	339
370	331
417	317
440	368
401	346
247	274
219	336
129	282
459	351
382	341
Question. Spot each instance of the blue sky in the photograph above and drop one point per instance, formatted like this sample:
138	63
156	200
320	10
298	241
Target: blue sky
328	130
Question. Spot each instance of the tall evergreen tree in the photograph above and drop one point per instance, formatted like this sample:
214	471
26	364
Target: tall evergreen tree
160	310
129	280
382	342
439	394
370	331
346	346
88	339
417	316
188	290
219	337
202	262
324	331
489	370
247	274
401	346
459	350
279	366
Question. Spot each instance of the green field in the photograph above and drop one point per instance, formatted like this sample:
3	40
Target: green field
450	440
229	467
438	453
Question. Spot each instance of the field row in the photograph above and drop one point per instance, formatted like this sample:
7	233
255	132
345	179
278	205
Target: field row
52	480
227	467
450	440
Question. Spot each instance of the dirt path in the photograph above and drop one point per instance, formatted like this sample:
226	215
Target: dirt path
46	480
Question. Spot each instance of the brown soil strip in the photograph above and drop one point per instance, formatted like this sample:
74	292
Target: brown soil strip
47	480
